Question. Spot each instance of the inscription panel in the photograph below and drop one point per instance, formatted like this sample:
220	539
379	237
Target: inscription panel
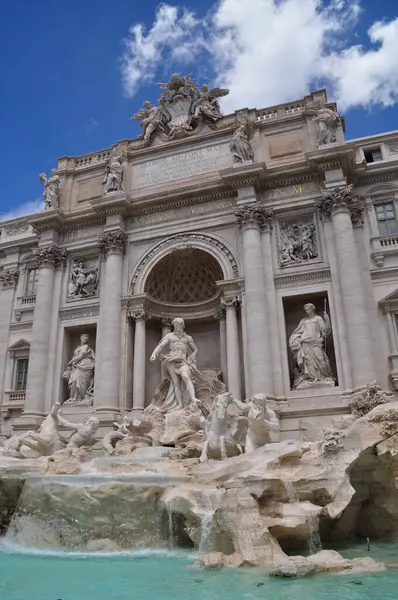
185	212
181	166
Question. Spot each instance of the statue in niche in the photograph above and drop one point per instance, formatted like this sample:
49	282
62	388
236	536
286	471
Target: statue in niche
263	424
79	372
186	394
297	243
208	105
307	344
82	282
178	352
240	145
113	179
327	121
151	119
51	189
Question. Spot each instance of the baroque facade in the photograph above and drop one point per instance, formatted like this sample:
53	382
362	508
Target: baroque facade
274	238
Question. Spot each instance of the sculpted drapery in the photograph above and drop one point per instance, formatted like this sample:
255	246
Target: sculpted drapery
307	346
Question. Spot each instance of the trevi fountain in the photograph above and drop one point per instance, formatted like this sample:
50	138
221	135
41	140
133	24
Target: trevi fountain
225	423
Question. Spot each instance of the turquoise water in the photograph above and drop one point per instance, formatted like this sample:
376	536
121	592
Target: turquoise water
170	576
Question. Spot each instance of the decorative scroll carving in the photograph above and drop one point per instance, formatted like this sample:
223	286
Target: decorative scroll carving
51	256
9	278
297	242
112	242
339	198
254	215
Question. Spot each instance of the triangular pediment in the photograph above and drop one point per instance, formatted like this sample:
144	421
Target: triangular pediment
392	297
19	345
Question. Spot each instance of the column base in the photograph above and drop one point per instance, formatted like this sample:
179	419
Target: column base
28	421
107	415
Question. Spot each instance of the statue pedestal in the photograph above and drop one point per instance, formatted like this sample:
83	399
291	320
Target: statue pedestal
310	385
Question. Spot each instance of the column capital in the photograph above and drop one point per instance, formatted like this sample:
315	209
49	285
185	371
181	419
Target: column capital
167	323
253	215
139	314
50	256
9	278
231	301
112	242
219	314
341	200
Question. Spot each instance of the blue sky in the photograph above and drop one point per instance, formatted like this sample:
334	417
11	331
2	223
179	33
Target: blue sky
72	73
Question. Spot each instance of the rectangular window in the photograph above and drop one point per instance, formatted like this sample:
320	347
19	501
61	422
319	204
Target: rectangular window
31	281
373	155
21	374
387	218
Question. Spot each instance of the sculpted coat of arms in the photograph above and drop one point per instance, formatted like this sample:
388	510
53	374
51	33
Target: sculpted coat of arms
182	107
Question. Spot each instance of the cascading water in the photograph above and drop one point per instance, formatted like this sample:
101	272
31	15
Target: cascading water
314	539
206	537
78	512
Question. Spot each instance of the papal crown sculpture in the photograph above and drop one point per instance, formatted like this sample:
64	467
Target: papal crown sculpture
182	108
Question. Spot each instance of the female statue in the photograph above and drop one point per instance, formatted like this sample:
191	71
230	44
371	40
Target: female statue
240	145
80	371
307	346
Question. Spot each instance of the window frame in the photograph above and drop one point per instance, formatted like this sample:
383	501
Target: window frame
386	220
371	150
17	361
27	292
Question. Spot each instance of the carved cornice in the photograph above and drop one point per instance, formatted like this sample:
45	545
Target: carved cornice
9	278
298	279
50	256
112	242
231	287
341	199
254	215
385	274
81	312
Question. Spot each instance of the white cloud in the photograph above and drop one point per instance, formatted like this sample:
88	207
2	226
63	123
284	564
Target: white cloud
27	208
270	51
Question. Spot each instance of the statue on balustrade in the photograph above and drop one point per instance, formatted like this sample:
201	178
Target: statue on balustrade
51	189
79	372
327	121
307	344
240	145
113	178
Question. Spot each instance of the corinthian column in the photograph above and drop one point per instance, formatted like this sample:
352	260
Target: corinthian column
107	369
140	317
231	303
220	316
49	259
252	218
343	209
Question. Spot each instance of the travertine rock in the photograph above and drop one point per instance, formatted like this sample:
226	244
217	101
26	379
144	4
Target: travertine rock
326	561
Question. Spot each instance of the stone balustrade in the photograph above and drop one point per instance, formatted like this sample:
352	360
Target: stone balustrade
14	398
280	111
383	246
92	159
